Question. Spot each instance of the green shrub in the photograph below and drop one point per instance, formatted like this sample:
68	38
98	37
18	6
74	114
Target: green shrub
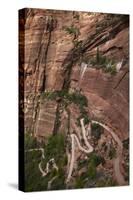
126	143
112	152
100	61
79	182
84	116
77	44
30	142
96	159
78	99
111	68
92	170
33	179
96	130
55	148
106	182
67	97
91	166
72	30
59	182
49	95
82	163
98	56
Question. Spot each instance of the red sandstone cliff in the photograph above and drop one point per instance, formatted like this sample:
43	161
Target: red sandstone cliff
51	58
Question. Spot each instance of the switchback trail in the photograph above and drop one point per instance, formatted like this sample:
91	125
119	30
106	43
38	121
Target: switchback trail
117	160
86	150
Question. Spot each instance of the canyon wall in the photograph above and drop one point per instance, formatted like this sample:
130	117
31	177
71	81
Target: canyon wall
53	46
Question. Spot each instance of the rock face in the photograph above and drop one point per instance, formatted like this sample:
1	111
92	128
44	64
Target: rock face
53	44
46	119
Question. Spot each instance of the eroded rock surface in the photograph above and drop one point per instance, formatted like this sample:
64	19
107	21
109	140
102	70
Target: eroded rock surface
52	60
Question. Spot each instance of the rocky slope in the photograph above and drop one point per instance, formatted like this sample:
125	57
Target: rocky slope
73	52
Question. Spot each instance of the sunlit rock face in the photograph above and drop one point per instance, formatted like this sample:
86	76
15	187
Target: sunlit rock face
55	45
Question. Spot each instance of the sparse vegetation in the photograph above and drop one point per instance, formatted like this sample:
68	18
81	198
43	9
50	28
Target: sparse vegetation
98	56
92	170
96	131
111	68
106	182
33	179
90	176
83	115
82	163
78	99
96	159
77	44
54	148
91	167
59	182
30	142
112	152
75	97
126	143
72	30
68	98
102	62
79	182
